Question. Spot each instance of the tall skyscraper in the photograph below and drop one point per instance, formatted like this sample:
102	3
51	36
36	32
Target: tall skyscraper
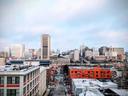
45	47
17	50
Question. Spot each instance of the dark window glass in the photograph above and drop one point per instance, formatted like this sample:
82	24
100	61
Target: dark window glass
1	92
9	80
11	92
17	80
1	80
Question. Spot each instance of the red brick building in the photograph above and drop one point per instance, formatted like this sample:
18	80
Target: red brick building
89	72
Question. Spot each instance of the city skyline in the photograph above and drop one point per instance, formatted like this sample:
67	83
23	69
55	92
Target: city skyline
70	23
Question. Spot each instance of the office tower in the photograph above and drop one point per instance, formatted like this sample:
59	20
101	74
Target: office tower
45	47
17	50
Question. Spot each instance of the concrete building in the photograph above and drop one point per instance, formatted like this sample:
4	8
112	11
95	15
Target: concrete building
103	50
17	51
120	53
42	81
88	54
8	51
4	55
30	54
2	61
45	47
84	85
100	58
30	62
71	55
95	52
27	54
76	55
126	56
19	80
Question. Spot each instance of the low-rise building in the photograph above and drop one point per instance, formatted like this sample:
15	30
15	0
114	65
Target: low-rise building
80	86
90	72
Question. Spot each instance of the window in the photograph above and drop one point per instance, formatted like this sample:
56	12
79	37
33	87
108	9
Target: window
1	80
1	92
25	78
17	80
28	77
11	92
24	91
13	80
28	87
9	80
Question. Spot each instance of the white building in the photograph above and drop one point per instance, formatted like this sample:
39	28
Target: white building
95	52
17	50
42	81
80	85
88	53
76	56
19	80
91	92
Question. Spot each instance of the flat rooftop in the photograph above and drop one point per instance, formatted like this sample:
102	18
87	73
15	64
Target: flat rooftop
91	92
17	69
93	83
82	67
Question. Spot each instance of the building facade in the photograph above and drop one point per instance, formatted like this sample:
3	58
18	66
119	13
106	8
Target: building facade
90	72
45	47
19	81
76	55
42	81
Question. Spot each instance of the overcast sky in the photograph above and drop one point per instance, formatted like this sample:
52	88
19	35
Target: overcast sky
70	23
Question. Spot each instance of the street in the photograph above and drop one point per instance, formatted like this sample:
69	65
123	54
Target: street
59	89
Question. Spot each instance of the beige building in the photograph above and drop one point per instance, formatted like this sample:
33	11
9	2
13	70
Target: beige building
17	50
120	53
2	61
45	47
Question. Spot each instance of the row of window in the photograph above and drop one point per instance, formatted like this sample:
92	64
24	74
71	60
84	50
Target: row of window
30	85
10	92
10	80
1	80
31	75
34	90
13	80
90	71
